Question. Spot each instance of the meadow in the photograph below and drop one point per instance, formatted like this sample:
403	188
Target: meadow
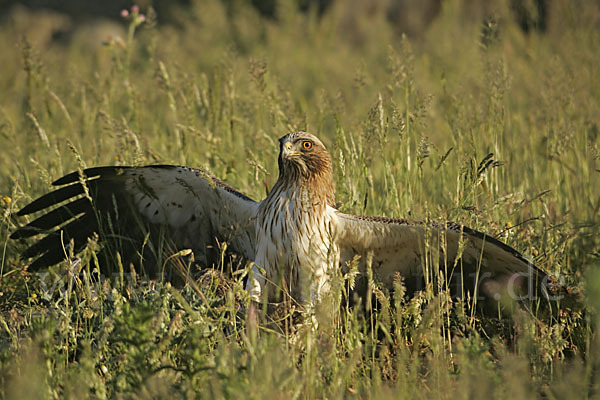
410	122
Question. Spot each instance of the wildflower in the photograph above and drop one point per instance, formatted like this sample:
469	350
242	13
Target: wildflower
6	201
134	15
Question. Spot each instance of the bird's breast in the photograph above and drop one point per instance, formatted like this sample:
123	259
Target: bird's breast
295	244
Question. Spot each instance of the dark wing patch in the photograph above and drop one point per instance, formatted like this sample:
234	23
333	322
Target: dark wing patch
54	198
54	218
72	215
89	173
492	240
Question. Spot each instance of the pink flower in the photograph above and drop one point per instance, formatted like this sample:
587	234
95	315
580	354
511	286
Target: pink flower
135	9
141	18
124	13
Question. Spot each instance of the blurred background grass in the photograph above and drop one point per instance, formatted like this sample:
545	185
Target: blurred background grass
409	97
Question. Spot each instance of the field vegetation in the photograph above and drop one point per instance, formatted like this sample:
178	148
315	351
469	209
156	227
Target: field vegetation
474	121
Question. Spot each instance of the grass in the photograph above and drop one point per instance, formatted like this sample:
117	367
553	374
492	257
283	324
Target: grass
410	124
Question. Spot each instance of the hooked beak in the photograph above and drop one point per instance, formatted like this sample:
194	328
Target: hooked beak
287	151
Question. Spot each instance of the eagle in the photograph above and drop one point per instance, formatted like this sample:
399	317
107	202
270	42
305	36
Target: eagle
295	240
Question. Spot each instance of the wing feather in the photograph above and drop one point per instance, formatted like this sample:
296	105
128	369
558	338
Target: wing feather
55	197
470	259
54	218
126	206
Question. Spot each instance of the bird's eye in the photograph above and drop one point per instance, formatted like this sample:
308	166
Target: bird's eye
307	145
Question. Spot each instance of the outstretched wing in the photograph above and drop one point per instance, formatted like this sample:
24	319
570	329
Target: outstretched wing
464	258
143	213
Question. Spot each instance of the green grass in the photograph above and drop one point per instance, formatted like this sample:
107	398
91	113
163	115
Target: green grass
408	122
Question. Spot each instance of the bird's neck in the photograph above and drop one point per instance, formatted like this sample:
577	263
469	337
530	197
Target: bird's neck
312	193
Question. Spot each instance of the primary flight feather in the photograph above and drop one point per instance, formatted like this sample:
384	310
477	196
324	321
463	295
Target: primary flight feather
295	236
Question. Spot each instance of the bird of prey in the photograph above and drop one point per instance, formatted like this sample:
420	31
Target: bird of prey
296	237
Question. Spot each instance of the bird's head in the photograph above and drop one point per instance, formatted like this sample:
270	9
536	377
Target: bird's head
303	153
303	159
